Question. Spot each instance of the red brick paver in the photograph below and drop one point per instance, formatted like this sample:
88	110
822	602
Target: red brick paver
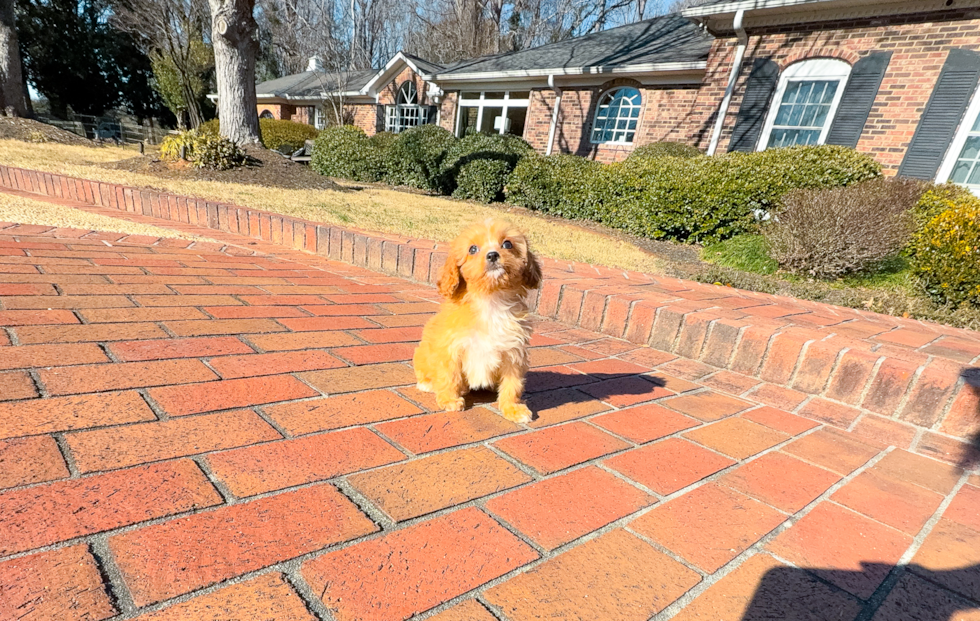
212	437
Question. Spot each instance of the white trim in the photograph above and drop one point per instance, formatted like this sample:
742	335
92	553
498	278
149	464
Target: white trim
535	73
959	140
812	69
745	5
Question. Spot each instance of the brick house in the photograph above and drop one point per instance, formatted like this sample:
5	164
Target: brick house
893	78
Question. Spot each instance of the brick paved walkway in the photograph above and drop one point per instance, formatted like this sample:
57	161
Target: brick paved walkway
205	432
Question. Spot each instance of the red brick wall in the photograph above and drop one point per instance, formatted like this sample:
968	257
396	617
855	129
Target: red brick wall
279	111
919	44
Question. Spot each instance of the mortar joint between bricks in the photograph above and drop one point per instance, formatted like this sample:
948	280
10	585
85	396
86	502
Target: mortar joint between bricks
112	577
799	362
227	497
376	515
958	387
314	605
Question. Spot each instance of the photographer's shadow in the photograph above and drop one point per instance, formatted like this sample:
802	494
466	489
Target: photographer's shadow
921	594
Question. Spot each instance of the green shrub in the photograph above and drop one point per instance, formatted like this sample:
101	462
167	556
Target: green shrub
830	232
477	165
703	199
415	157
945	254
661	149
345	151
383	140
277	135
285	136
561	185
216	153
482	180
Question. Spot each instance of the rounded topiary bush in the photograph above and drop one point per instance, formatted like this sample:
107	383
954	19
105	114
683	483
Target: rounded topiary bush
345	151
285	136
661	149
477	165
945	254
562	185
415	157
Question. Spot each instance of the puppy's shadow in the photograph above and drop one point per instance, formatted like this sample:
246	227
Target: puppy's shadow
548	389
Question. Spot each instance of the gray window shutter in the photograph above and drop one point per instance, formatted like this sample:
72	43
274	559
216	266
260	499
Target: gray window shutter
858	99
948	103
431	113
379	119
755	103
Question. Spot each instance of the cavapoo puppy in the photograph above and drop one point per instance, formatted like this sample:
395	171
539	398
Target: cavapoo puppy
479	337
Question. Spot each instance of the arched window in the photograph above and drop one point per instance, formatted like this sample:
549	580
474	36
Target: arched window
406	112
408	94
266	115
805	103
617	116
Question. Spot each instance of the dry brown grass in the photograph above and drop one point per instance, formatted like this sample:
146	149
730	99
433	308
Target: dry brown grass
29	211
370	208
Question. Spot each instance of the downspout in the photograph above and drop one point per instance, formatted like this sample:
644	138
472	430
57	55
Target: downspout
743	42
554	114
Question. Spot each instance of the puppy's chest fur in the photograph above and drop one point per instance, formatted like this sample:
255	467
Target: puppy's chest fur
501	331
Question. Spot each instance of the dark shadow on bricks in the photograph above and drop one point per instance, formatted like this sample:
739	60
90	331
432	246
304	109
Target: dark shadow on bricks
971	457
920	594
554	389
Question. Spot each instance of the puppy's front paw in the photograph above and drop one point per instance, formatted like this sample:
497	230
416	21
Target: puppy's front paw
516	412
453	405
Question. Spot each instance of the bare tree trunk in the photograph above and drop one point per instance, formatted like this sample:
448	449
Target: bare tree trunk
13	94
233	30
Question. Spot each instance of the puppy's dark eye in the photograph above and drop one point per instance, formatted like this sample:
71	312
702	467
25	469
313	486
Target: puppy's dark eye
474	249
507	245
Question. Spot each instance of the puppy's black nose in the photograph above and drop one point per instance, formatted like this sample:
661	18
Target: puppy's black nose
492	256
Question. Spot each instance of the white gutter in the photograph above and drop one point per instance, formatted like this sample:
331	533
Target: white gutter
554	114
550	73
743	42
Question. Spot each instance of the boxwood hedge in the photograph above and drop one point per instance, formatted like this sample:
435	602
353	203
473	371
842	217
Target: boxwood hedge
700	199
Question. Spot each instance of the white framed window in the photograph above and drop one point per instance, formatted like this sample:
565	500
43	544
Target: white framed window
497	112
805	103
406	112
319	118
962	162
617	116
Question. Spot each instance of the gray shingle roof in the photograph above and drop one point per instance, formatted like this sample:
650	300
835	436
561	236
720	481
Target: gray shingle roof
310	84
427	67
667	39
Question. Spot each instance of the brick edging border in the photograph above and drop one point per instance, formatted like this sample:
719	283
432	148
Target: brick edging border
905	397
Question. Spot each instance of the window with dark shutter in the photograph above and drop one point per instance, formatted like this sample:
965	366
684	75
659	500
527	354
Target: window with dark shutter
949	100
859	98
752	113
379	118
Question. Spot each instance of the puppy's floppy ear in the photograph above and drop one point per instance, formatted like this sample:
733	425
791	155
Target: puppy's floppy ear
451	281
532	271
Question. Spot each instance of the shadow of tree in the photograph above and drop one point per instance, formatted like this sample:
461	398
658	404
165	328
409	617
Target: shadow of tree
921	594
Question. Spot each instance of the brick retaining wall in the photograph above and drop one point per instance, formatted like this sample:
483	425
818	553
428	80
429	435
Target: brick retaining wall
898	381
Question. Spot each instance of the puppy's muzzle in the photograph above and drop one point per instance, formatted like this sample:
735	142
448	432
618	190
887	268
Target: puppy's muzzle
493	256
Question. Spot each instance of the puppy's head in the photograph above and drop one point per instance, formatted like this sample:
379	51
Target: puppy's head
489	257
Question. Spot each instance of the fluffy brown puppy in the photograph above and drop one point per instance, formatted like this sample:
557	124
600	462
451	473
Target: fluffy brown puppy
479	337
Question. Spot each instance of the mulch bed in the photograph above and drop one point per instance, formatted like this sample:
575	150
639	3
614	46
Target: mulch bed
265	168
30	130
